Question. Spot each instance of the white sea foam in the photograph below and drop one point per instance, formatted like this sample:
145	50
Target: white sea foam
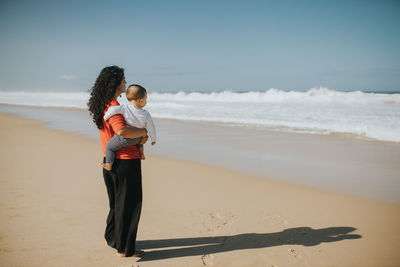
314	95
319	110
45	99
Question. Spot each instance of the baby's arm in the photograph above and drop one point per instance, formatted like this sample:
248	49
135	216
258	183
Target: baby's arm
151	129
113	110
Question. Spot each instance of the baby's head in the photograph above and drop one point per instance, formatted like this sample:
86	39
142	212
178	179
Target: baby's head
137	94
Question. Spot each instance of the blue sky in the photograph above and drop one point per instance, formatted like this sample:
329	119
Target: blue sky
201	45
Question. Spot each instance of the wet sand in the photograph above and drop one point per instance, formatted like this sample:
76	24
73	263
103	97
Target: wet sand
337	163
53	209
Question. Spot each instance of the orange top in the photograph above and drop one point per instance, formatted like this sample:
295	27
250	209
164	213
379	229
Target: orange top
112	126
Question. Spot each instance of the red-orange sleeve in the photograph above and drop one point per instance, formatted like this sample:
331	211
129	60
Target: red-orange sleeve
117	122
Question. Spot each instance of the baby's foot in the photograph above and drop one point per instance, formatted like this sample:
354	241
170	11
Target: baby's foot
107	166
142	157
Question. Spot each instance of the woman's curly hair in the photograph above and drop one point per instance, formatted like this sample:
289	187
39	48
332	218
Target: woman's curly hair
103	91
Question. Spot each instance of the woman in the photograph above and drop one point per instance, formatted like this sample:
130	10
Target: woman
124	181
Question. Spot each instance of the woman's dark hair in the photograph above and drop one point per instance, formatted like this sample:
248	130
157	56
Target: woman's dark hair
103	91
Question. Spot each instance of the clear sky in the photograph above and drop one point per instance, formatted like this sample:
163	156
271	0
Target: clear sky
201	45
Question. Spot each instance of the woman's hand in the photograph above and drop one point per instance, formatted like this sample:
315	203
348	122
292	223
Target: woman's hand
143	140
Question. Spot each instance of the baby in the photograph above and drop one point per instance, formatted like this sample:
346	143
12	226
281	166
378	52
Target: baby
135	116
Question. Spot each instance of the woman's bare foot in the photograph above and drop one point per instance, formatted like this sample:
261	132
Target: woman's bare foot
138	253
107	166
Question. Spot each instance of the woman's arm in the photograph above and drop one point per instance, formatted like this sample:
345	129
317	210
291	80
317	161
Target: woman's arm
132	132
120	127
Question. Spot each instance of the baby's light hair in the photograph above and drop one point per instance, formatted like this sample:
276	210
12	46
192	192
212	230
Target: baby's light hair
135	92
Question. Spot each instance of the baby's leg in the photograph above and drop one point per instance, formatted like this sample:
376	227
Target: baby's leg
141	151
115	143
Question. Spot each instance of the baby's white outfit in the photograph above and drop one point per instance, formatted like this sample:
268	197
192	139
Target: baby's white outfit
135	117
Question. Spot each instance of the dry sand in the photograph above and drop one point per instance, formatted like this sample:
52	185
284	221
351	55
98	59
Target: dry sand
53	210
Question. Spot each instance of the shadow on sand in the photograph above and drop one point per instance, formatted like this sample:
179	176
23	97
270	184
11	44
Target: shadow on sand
305	236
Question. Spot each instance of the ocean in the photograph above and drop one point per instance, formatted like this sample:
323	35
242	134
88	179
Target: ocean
320	138
325	111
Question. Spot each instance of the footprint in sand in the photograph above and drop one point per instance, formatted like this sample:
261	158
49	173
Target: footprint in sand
5	249
216	221
11	216
277	217
207	259
294	253
219	220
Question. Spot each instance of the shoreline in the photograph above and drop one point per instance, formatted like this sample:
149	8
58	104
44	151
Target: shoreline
192	215
333	163
226	124
242	173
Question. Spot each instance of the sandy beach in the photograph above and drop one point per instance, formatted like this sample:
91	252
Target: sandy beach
53	208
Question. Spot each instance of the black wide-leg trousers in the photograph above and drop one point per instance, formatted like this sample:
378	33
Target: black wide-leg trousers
124	189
